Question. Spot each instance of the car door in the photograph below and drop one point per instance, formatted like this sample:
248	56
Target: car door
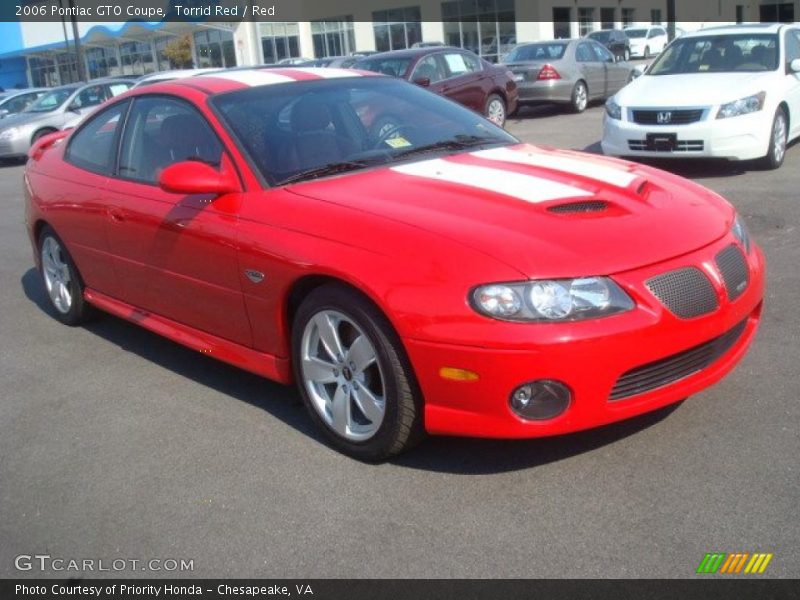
430	72
82	178
791	81
591	69
465	79
615	73
174	254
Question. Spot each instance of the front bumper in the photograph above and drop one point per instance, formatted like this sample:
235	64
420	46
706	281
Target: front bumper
739	138
589	357
16	148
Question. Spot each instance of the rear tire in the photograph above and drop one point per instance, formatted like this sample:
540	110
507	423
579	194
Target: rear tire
62	281
779	135
495	110
353	375
580	97
626	55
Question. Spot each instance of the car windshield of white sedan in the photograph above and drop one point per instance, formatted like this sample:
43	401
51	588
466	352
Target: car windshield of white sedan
548	51
50	101
718	54
309	129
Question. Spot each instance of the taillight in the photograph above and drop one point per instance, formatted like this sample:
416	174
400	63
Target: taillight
547	73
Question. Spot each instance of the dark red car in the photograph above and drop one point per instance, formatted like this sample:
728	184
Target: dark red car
455	73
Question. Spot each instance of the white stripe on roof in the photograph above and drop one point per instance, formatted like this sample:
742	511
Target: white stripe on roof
565	164
517	185
332	73
253	78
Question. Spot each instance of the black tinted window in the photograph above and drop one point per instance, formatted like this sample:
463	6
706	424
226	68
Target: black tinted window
545	51
584	53
161	131
92	146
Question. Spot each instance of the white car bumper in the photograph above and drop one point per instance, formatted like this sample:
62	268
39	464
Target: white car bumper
738	138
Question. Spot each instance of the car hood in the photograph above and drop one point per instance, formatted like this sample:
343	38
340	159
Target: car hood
544	212
707	89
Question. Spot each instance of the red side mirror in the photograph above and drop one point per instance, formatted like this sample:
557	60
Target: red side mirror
423	81
195	177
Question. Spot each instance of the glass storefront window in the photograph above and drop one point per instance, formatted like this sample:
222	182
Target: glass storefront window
137	58
102	62
279	41
486	27
397	29
333	38
214	48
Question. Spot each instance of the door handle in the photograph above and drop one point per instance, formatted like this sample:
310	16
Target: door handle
116	215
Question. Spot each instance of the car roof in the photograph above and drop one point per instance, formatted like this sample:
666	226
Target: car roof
229	80
734	29
412	52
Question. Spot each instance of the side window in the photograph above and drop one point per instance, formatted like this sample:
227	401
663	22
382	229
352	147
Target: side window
473	63
161	131
792	45
89	96
429	67
115	89
602	53
18	103
584	53
456	64
92	147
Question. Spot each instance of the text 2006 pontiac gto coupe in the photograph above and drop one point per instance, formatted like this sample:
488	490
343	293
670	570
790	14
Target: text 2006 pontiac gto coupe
436	276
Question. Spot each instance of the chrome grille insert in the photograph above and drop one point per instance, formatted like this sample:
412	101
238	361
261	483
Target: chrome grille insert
673	368
686	292
733	268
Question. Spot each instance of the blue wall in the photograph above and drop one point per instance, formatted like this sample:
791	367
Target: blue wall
12	70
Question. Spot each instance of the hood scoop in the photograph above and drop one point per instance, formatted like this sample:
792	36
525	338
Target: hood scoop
584	206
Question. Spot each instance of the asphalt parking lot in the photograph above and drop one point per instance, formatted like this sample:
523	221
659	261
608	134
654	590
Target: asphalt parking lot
115	443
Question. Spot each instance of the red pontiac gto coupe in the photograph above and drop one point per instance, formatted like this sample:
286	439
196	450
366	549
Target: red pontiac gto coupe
437	277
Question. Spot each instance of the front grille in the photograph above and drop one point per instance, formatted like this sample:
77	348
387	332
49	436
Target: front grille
685	292
669	370
676	117
579	207
733	268
680	146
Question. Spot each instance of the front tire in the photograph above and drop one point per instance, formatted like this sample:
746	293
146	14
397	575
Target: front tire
779	136
353	375
61	280
495	110
626	55
580	97
40	134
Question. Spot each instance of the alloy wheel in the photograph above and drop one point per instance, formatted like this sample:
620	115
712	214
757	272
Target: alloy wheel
496	112
342	375
779	135
57	276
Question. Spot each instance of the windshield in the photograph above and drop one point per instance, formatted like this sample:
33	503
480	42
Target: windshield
395	67
600	36
310	129
51	100
636	33
718	54
551	51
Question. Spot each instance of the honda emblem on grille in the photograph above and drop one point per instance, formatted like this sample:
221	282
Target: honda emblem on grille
664	117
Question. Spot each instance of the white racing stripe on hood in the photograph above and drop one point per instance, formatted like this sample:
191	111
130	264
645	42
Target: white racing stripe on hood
254	77
524	187
565	164
333	73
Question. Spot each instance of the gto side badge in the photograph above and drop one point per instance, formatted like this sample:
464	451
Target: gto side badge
254	276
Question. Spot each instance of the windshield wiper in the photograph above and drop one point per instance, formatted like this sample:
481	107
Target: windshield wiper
460	142
328	169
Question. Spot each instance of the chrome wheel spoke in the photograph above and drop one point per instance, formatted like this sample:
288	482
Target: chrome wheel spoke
368	403
318	370
361	354
340	411
329	335
56	274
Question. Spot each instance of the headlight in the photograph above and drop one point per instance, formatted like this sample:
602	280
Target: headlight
10	133
551	300
742	106
613	110
739	231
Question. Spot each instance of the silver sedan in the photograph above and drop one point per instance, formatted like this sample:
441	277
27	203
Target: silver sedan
569	72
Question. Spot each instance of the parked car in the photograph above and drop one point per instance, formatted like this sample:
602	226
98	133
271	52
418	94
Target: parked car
334	62
448	281
647	41
458	74
615	40
60	108
728	92
15	101
170	75
568	72
294	61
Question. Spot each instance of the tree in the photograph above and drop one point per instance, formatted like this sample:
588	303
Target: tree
179	52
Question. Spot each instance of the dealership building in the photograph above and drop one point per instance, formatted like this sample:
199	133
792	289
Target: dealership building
42	54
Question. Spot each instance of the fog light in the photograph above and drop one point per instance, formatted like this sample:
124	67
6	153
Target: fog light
539	400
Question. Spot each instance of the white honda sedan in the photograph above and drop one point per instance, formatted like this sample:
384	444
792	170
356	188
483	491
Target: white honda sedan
727	92
647	41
